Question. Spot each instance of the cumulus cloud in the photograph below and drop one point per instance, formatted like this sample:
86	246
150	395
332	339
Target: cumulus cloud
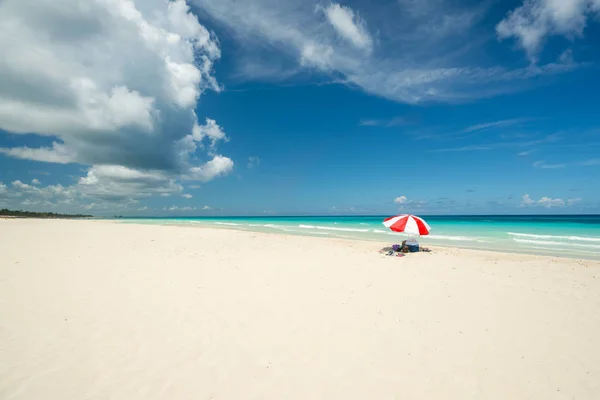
535	20
19	194
547	202
218	166
401	200
210	130
116	83
187	196
34	181
550	202
56	154
115	182
349	25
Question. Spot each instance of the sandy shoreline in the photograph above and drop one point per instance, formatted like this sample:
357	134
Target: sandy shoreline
94	309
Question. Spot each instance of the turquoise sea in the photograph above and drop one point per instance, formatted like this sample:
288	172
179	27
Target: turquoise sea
568	236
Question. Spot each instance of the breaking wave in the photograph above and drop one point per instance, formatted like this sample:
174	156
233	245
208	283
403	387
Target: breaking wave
556	244
552	237
330	228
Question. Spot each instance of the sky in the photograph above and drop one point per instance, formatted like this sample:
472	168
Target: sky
302	107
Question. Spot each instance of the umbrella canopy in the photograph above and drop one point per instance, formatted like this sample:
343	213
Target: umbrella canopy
407	223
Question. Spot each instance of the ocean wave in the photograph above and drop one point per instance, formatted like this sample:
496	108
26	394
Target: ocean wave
312	232
227	223
455	238
552	237
379	231
564	250
557	244
330	228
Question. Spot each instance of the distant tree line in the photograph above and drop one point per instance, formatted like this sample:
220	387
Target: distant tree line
31	214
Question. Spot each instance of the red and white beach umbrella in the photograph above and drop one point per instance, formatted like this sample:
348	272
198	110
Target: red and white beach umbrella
407	223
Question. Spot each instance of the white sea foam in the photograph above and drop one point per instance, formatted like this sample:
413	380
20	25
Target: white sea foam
552	237
330	228
454	238
564	250
227	223
439	237
556	244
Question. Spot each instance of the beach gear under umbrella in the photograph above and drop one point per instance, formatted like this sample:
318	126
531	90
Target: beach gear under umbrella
409	224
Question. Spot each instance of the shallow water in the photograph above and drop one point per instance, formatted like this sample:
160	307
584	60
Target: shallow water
567	236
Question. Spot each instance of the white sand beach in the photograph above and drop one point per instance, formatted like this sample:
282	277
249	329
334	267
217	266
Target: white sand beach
99	310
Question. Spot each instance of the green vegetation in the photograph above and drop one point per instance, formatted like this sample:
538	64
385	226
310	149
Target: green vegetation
31	214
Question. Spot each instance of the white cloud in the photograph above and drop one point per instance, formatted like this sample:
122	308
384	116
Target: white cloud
527	200
400	200
187	196
116	82
206	208
71	199
466	148
56	154
21	193
218	166
547	202
525	153
403	201
550	202
115	182
210	130
177	208
535	20
543	165
495	124
551	138
420	56
253	162
34	181
592	162
349	25
395	121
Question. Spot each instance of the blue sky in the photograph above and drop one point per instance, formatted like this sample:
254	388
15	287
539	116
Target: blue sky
223	107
